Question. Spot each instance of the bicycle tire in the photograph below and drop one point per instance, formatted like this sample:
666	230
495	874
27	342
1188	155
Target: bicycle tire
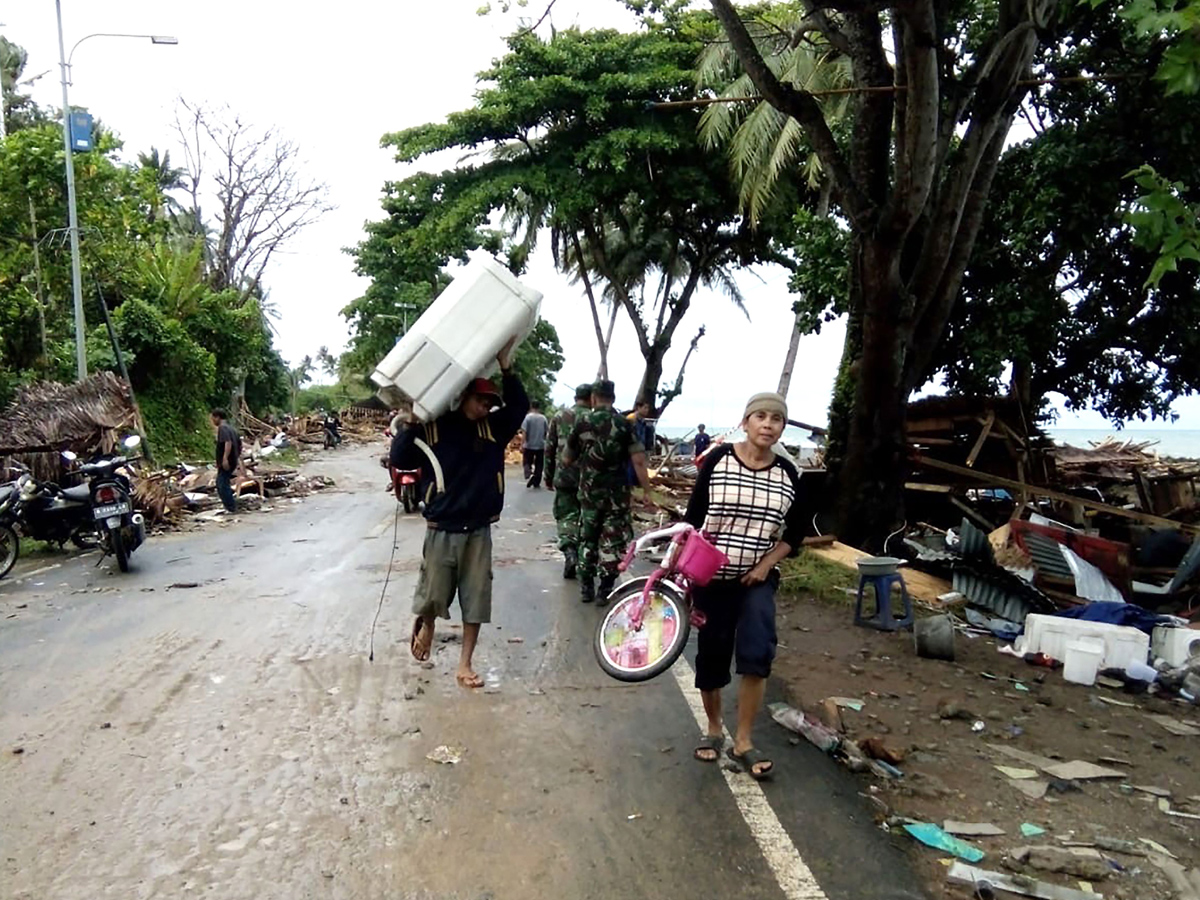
666	628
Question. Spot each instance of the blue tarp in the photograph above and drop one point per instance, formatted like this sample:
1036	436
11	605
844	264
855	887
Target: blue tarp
1117	614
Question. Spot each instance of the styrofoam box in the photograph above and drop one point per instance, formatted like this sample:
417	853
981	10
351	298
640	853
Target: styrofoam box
1175	645
1051	634
457	338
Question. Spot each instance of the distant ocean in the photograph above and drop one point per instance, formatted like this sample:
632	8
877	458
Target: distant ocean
1167	441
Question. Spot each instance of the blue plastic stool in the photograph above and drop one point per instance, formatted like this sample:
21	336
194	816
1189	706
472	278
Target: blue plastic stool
883	619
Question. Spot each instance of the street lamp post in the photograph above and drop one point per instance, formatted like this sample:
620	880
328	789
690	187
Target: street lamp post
72	215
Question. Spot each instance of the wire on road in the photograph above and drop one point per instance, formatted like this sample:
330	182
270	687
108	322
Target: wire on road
386	579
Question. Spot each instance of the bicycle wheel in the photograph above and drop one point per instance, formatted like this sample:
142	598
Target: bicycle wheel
629	654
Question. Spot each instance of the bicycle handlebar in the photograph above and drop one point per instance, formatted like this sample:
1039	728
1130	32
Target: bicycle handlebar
650	537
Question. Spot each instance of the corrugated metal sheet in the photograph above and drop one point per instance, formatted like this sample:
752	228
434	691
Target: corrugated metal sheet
974	544
997	600
1000	591
1047	557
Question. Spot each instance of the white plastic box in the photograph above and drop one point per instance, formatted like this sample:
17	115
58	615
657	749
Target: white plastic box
1051	634
1175	645
457	338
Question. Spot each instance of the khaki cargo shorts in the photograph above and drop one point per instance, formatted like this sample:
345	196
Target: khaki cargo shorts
456	563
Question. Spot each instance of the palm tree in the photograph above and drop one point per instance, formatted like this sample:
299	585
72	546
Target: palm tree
298	377
166	179
763	143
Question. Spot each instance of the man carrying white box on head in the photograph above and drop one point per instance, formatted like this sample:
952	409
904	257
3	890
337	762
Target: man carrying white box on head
463	492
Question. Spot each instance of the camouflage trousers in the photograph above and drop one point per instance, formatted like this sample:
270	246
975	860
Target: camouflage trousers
566	515
605	531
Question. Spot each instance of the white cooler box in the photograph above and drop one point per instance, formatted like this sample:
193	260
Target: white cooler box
1051	634
457	338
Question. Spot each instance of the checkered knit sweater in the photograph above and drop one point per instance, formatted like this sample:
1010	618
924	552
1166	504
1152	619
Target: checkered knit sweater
745	511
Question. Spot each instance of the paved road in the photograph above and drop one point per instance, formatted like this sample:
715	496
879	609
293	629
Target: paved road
232	740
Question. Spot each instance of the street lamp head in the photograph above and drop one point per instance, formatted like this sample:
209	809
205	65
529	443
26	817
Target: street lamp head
163	39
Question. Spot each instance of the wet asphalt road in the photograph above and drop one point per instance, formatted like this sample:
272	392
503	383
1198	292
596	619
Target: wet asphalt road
232	740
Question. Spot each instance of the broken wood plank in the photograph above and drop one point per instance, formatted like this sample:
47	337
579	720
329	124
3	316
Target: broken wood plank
1000	481
928	488
1081	770
987	429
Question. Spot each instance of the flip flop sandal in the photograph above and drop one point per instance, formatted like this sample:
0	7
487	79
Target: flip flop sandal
472	682
749	760
419	651
713	742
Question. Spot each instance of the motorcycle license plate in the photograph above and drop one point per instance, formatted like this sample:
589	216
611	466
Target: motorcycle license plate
112	509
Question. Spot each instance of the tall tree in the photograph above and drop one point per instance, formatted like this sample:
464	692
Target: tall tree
264	199
563	142
938	87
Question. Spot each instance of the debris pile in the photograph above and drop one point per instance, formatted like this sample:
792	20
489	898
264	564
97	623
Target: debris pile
89	418
164	496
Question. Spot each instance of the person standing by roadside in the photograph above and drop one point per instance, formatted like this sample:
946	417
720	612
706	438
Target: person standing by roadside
702	442
229	454
643	429
563	478
464	495
602	442
745	502
533	453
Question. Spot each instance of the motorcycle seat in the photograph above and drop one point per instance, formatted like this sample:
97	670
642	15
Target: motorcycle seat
80	493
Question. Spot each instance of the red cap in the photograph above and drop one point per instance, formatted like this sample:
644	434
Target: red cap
484	388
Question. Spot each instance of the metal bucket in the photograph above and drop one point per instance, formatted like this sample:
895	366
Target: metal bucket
934	637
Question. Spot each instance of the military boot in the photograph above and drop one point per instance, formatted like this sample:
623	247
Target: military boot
606	587
570	563
587	590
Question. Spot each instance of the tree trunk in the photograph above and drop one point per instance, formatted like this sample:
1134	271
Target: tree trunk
873	469
652	374
789	361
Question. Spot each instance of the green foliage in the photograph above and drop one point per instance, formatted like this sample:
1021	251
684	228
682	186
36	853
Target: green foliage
822	272
1083	274
1164	222
187	347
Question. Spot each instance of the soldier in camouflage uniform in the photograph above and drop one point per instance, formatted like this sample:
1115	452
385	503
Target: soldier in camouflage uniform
563	478
602	442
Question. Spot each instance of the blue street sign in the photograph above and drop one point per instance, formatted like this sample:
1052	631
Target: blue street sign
81	131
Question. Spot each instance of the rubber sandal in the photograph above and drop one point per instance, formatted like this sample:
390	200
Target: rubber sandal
713	742
471	682
419	651
749	760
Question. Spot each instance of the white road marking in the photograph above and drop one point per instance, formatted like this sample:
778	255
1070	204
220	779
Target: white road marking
795	879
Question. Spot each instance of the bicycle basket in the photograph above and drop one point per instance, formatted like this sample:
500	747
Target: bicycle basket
699	560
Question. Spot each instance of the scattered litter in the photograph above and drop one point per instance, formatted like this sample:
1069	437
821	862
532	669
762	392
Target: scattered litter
632	817
1034	790
179	585
978	726
1114	702
1105	681
1028	887
1017	774
1158	848
447	756
1020	687
1082	862
1030	759
17	751
1180	729
1079	770
516	640
932	836
849	703
1150	789
1164	805
971	829
1028	829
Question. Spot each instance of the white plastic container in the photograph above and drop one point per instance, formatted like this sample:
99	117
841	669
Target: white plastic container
1175	645
457	338
1123	645
1083	659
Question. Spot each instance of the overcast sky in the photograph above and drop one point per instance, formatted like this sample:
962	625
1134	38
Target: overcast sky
334	78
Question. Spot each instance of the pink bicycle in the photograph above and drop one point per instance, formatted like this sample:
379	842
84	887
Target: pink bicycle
649	618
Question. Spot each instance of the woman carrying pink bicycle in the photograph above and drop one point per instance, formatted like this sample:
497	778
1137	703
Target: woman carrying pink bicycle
718	574
745	502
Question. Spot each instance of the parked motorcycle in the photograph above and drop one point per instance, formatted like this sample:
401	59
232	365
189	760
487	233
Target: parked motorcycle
43	511
111	505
